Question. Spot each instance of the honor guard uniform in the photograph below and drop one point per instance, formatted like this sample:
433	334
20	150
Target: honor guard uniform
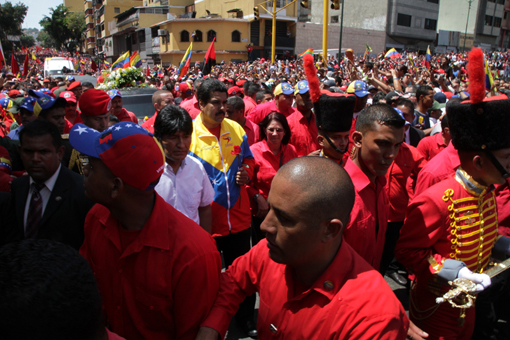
333	116
451	229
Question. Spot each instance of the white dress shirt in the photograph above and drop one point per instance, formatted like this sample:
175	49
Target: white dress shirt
44	192
187	190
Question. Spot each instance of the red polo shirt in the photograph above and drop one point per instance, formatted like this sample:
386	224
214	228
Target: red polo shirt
430	146
265	168
349	300
149	123
252	132
191	106
401	177
262	110
303	133
165	281
369	216
440	167
127	116
249	105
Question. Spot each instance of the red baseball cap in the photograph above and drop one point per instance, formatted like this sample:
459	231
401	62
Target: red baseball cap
14	94
127	149
69	96
184	87
94	102
234	90
73	85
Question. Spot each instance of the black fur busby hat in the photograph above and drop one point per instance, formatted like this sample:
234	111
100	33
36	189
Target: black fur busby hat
333	111
480	123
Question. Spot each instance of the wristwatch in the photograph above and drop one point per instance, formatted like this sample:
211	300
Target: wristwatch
256	196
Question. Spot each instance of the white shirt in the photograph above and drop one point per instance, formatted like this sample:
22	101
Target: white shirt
187	190
44	192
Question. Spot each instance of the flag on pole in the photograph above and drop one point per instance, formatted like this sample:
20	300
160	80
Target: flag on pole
412	63
428	56
93	65
367	51
185	62
14	65
489	81
308	51
2	57
25	66
210	59
147	71
135	60
392	53
123	59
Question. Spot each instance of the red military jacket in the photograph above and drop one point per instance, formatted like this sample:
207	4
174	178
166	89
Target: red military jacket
454	219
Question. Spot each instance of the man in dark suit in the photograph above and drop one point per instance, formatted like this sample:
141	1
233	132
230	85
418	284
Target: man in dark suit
50	202
413	135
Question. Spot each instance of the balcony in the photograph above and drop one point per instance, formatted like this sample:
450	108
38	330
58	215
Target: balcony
91	40
281	42
89	11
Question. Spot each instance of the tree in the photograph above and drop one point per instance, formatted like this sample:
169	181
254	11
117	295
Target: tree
75	22
45	40
11	19
55	26
27	41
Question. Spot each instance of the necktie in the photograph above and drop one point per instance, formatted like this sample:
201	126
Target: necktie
34	211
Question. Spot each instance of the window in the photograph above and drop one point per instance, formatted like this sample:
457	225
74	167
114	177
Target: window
116	9
184	36
403	20
236	36
210	35
198	36
430	24
433	1
504	16
334	19
488	20
497	22
501	2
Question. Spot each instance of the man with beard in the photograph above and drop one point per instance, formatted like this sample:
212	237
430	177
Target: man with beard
117	109
283	99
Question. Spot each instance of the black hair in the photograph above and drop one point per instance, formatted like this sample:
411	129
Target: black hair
113	118
407	103
172	119
403	68
380	113
261	94
41	127
378	96
279	118
197	83
423	91
338	81
370	65
253	89
87	84
236	102
49	292
444	122
246	85
209	86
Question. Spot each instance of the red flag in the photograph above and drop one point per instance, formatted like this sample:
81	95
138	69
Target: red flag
14	65
25	66
210	59
147	72
93	66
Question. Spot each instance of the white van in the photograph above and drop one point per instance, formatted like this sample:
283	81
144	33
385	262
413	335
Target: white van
53	66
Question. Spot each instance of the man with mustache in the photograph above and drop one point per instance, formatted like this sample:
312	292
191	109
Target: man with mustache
221	145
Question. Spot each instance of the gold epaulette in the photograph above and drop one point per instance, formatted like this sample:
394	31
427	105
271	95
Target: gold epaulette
65	136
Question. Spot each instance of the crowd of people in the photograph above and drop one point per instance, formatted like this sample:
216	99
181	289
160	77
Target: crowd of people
307	180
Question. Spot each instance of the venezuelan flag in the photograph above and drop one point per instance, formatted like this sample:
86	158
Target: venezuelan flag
412	63
123	59
489	81
308	51
135	60
392	53
185	62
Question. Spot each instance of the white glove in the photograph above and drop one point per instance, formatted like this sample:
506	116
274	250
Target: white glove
482	280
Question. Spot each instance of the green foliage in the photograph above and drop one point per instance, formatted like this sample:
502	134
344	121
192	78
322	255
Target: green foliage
45	40
27	41
55	26
11	19
75	22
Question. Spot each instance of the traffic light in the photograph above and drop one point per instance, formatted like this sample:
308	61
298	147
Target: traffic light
304	4
256	13
335	4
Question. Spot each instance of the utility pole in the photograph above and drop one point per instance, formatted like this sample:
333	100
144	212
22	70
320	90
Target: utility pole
341	31
467	21
325	24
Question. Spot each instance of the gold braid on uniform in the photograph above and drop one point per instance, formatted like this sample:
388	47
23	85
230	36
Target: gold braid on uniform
75	160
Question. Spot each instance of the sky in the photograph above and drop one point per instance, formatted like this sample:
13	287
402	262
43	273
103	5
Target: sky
37	9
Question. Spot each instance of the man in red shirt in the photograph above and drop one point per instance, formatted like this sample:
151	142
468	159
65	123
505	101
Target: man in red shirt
378	136
117	109
192	105
284	97
250	93
235	111
312	284
302	122
430	146
95	108
160	99
72	114
147	257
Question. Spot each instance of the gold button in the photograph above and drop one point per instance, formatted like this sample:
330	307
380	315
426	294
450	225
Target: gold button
328	285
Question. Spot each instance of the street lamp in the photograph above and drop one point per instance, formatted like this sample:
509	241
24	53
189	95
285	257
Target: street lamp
467	21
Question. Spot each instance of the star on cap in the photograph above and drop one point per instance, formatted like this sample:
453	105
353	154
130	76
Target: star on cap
118	128
81	129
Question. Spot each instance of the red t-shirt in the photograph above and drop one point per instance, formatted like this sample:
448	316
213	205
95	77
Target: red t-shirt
303	133
262	110
430	146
